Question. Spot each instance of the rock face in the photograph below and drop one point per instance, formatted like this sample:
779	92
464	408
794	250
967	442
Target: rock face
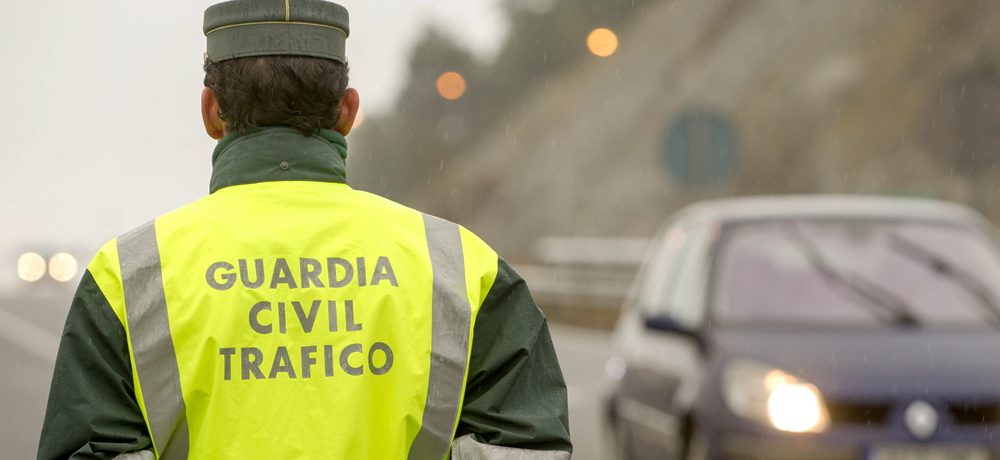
815	96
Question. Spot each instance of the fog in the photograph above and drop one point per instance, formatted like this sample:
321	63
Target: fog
100	118
846	149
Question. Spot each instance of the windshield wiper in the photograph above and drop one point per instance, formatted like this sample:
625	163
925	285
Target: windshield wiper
941	267
874	295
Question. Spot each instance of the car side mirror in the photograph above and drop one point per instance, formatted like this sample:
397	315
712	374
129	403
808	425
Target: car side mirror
667	324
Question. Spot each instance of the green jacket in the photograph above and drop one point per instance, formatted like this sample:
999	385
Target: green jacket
515	394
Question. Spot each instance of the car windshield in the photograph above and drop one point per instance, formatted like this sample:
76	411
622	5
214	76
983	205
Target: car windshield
910	273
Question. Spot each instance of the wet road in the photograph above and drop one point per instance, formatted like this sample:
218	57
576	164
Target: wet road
29	337
582	354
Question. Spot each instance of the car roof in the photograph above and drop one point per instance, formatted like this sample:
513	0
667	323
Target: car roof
732	210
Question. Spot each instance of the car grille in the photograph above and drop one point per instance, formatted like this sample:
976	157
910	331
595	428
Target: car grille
975	413
858	413
962	413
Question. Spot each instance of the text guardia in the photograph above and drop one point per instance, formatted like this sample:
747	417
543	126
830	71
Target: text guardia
314	317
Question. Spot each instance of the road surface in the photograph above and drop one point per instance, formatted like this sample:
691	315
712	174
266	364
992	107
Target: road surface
582	354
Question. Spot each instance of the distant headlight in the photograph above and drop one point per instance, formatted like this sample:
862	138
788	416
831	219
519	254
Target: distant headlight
767	395
63	267
30	267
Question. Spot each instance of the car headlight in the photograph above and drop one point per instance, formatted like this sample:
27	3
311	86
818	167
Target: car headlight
768	395
63	267
31	267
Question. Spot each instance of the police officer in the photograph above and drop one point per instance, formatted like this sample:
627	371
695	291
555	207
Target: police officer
287	315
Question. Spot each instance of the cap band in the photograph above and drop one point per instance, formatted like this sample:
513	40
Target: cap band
244	28
276	22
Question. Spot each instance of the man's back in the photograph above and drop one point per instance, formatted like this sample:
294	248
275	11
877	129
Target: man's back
314	296
287	315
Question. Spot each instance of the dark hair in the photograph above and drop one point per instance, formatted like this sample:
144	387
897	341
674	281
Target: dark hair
296	91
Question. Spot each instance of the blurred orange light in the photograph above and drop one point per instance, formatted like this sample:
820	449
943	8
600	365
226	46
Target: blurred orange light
451	85
359	119
602	42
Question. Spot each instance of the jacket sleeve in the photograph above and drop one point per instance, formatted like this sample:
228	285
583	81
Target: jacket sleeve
515	398
92	409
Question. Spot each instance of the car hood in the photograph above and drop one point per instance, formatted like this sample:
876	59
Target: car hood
878	362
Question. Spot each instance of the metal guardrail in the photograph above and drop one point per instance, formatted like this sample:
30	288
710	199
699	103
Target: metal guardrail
583	281
599	252
601	287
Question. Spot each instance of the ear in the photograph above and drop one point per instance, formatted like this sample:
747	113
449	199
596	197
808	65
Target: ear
214	126
349	105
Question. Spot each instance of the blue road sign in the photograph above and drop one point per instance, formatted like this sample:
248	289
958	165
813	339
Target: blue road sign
701	148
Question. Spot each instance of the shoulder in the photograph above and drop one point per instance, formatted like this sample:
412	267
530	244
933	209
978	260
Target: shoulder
469	239
382	205
478	258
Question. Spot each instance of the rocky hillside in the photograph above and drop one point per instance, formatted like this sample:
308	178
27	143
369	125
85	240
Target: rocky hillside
734	97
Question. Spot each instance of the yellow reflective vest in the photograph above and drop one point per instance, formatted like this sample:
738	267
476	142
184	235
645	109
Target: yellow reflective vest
339	325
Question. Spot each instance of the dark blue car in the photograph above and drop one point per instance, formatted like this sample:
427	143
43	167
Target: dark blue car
812	328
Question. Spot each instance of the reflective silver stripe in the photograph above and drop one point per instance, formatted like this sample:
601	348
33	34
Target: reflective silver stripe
141	455
449	341
467	448
152	346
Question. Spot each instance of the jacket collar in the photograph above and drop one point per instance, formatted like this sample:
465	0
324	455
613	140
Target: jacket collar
278	154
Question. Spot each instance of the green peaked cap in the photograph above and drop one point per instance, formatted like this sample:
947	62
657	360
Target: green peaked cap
243	28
